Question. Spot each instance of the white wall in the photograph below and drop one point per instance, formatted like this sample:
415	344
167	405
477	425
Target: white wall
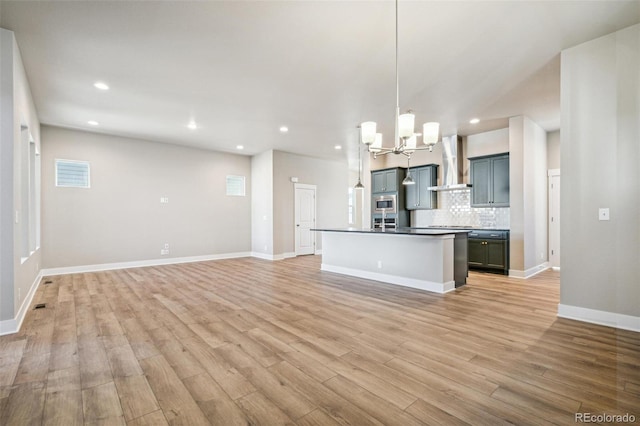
600	86
528	196
17	273
488	143
553	150
262	203
273	234
120	218
332	184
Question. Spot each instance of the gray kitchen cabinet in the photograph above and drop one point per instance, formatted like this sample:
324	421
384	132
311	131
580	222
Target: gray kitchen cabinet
419	196
385	180
489	250
490	181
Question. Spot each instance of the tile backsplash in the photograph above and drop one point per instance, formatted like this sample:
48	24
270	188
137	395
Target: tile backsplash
454	209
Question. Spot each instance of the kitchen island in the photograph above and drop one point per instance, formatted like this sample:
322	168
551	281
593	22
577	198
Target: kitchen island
428	259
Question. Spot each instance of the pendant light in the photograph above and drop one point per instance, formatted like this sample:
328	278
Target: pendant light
359	185
405	138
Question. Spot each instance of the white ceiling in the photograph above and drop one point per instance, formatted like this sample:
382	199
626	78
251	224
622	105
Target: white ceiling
242	69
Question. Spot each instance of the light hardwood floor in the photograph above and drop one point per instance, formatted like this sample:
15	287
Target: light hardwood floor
247	341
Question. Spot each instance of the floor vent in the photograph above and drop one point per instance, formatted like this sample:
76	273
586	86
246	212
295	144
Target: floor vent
40	306
48	282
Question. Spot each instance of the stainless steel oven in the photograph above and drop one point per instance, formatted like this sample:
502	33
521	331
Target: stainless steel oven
385	204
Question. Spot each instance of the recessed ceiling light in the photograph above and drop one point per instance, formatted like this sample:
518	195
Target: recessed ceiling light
93	122
284	129
192	125
239	146
474	121
101	85
338	147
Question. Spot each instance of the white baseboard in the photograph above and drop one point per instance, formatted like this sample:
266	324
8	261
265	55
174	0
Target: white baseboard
318	252
273	257
140	263
13	325
514	273
594	316
556	268
432	286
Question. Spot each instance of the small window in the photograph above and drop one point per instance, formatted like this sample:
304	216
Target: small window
235	185
72	174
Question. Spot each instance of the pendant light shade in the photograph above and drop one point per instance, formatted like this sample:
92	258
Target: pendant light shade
406	124
408	180
430	133
376	146
368	132
411	143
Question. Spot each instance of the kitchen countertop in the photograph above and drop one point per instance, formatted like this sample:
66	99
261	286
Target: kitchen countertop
466	228
399	231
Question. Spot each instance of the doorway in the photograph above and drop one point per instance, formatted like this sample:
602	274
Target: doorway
554	218
305	219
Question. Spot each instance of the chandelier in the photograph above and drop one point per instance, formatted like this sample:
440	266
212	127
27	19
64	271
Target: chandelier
405	140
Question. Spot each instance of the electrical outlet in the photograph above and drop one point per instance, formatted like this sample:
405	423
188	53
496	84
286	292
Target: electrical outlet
379	264
166	246
164	200
164	252
603	214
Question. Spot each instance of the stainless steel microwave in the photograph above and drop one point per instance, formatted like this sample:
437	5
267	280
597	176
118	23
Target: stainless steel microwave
384	204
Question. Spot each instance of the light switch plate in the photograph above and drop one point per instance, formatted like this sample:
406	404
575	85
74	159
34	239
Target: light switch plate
603	214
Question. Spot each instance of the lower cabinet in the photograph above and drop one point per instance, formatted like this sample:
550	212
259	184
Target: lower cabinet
489	250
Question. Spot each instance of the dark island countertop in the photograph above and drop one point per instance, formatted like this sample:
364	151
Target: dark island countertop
398	231
466	228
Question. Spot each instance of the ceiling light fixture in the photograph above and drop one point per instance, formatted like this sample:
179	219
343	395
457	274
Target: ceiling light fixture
359	185
240	147
474	121
338	147
192	125
405	140
93	122
101	85
284	129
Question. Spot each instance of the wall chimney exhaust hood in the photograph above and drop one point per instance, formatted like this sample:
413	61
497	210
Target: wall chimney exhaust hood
451	165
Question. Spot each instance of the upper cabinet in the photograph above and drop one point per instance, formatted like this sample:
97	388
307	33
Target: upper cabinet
418	196
490	181
386	180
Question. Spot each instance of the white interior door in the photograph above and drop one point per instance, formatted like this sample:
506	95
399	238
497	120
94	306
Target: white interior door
554	218
305	218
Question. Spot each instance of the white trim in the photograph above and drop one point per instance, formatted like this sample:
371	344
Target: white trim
553	172
514	273
594	316
318	252
393	279
288	255
140	263
13	325
556	268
